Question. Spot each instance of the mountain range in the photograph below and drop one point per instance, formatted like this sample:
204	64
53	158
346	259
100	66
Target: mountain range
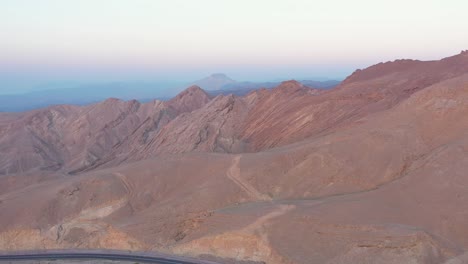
86	94
370	171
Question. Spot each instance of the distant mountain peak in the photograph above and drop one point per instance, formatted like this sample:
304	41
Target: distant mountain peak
220	76
290	86
291	83
214	82
112	100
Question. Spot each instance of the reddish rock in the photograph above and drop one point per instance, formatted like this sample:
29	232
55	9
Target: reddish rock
373	171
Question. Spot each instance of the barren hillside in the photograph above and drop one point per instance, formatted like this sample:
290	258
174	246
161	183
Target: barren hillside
372	171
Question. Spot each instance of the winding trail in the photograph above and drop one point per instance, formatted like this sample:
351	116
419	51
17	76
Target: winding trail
233	173
127	184
279	211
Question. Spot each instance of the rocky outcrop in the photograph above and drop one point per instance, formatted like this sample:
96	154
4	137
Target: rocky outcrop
76	139
189	100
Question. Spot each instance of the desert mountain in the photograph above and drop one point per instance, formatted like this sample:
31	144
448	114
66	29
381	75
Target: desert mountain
215	81
243	88
370	171
219	83
77	138
72	139
86	94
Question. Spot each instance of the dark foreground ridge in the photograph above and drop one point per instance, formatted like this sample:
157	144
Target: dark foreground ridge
100	255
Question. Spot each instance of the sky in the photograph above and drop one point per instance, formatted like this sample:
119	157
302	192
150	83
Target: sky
183	40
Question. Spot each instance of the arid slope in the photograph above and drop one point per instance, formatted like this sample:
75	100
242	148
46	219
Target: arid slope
373	171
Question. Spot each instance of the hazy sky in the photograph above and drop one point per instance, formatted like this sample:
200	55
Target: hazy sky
50	40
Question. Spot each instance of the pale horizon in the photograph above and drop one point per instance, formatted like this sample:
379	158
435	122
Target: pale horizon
155	40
